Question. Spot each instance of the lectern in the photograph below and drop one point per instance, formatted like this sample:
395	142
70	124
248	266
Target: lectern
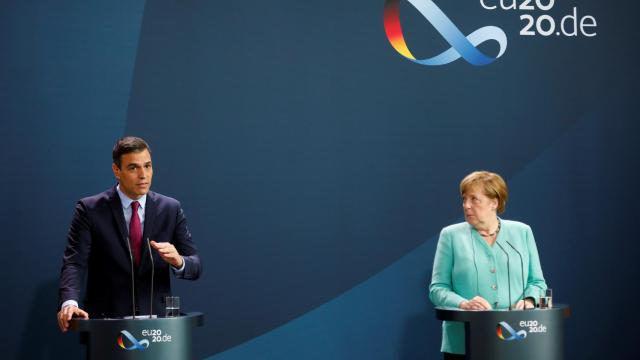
517	334
138	339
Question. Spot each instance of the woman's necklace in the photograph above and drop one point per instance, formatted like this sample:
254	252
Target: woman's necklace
495	232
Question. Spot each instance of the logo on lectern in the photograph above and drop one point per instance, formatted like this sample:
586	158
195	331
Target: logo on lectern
512	334
135	344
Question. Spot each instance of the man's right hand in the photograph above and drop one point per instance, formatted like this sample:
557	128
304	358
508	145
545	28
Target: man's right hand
477	303
67	313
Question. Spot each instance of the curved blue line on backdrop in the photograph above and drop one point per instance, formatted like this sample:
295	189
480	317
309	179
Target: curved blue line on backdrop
341	328
389	316
461	46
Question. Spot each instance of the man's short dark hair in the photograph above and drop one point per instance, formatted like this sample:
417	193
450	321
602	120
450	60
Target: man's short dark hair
126	145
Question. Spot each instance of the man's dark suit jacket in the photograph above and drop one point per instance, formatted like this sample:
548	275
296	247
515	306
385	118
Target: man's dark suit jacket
97	246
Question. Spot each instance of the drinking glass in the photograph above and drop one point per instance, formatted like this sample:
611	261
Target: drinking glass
172	306
546	300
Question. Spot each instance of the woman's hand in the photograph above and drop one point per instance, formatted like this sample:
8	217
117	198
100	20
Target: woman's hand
477	303
525	304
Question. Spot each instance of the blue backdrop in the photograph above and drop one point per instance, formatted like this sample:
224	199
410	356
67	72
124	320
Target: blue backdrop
316	165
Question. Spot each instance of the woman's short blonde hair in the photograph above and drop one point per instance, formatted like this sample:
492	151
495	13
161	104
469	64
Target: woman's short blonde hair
492	184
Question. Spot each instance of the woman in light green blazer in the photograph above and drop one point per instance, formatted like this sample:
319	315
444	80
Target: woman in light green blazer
470	265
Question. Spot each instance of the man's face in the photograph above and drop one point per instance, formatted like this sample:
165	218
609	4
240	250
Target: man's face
134	174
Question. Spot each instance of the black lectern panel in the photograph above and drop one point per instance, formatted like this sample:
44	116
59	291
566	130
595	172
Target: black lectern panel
517	334
139	339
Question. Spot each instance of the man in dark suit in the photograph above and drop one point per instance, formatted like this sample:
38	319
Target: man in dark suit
117	236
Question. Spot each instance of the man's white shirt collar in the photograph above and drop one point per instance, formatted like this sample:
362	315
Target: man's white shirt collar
126	201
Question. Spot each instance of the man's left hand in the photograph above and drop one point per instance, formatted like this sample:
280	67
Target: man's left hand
168	253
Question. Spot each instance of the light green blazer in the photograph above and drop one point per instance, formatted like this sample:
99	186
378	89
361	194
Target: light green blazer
466	266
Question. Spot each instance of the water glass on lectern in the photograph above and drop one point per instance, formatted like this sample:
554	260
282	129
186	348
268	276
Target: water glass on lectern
172	306
546	300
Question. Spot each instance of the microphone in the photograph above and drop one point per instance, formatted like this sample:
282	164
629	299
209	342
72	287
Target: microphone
133	281
152	274
521	269
508	273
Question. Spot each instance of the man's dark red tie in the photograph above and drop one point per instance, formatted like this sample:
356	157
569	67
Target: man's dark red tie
135	232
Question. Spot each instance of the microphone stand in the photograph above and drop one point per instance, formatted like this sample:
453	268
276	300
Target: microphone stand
133	281
521	269
152	275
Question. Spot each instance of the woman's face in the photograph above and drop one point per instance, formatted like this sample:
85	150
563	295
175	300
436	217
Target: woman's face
478	208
